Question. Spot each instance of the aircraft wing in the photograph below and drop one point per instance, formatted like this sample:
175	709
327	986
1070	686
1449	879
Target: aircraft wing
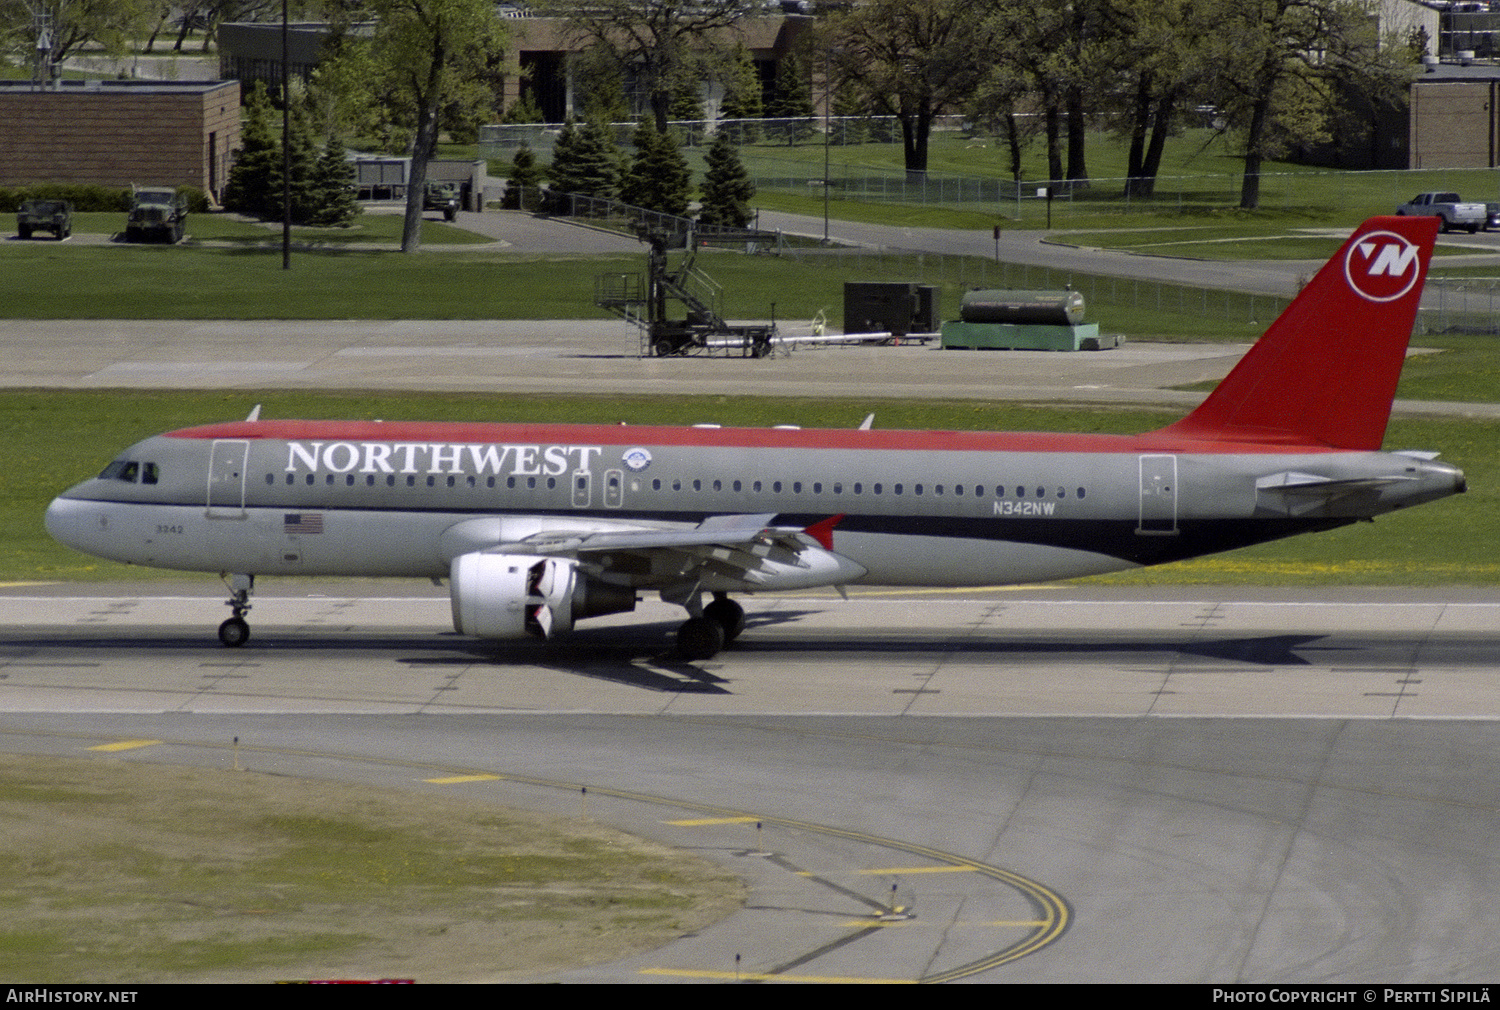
731	552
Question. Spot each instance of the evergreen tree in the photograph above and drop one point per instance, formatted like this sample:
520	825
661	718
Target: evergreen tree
303	166
687	101
659	178
585	162
524	177
250	186
793	99
727	189
742	99
523	111
334	204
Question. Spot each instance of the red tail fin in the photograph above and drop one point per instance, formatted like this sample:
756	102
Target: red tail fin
1325	372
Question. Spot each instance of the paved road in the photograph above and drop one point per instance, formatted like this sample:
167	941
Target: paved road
1064	785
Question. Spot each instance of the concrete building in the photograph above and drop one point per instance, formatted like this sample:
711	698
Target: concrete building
115	133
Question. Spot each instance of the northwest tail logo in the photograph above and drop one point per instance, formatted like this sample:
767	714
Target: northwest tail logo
1381	266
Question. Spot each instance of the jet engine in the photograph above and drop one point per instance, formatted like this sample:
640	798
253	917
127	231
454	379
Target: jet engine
511	595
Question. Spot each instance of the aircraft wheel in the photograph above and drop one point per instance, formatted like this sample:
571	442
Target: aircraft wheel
700	638
729	615
234	633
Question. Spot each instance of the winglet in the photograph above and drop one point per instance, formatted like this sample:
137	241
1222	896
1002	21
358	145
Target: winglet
822	531
1326	371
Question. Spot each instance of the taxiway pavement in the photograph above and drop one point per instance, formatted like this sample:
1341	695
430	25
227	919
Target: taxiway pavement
1061	784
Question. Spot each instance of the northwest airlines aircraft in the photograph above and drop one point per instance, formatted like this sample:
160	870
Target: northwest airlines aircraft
540	526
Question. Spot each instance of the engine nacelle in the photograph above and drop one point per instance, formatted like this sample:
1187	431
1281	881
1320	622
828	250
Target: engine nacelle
512	595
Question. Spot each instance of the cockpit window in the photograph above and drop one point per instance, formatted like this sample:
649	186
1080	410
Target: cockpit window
131	471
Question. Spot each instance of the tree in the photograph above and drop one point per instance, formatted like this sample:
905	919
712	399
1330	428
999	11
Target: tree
651	40
727	189
301	163
425	52
111	25
742	97
1160	51
1278	62
1027	43
914	59
254	182
333	202
659	178
524	177
585	162
792	101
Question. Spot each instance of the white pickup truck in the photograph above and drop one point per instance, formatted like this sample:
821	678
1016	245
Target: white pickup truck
1455	213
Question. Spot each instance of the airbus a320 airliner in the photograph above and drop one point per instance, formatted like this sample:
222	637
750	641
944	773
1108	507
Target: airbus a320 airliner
540	526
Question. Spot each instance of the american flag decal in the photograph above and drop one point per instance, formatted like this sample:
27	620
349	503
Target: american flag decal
302	522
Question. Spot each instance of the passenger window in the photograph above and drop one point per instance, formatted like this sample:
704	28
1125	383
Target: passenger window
878	488
270	478
817	487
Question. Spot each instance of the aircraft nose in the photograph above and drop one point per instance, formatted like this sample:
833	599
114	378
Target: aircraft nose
69	523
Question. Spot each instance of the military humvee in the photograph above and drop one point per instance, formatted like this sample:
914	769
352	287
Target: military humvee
55	216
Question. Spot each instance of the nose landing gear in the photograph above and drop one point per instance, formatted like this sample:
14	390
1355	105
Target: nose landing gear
235	632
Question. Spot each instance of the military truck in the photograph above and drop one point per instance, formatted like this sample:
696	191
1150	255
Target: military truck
157	213
441	196
55	216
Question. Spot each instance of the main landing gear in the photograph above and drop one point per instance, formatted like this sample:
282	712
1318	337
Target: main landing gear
710	627
235	632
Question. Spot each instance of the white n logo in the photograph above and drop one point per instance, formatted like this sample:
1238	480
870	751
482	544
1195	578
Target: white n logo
1382	266
1394	259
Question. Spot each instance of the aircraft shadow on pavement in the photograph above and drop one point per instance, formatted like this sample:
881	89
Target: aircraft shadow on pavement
641	655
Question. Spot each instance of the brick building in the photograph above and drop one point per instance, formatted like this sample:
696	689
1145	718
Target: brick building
115	133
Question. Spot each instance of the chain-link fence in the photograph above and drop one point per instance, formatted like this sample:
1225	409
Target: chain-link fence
803	156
